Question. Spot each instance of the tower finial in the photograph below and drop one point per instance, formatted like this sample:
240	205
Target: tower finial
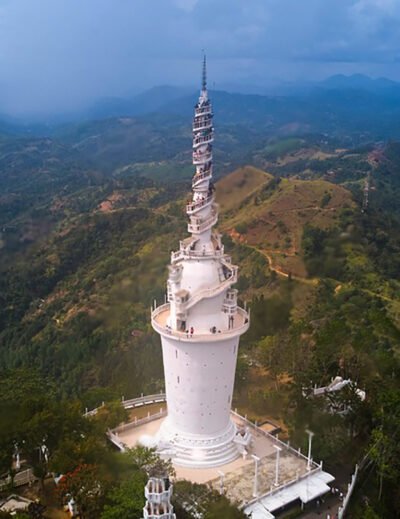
204	76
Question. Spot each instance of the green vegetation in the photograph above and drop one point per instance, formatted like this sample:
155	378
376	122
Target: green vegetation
87	225
280	148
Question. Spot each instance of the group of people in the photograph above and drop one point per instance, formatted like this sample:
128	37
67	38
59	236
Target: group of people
214	330
190	332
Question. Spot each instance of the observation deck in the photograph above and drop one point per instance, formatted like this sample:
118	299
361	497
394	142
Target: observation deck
159	319
194	207
186	250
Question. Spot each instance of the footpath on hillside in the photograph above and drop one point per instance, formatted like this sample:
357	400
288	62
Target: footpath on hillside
314	281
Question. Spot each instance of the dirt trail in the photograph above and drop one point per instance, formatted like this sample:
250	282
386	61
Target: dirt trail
315	281
279	271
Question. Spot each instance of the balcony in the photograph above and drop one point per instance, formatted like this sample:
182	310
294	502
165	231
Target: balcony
204	139
160	315
201	177
196	206
202	125
202	157
201	110
197	225
187	253
229	305
158	512
157	495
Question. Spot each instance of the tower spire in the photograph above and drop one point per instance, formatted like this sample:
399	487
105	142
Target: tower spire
204	75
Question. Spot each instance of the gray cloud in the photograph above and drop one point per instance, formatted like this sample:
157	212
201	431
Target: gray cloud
60	54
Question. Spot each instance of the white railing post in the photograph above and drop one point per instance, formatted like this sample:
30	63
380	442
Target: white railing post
255	484
278	450
310	437
221	482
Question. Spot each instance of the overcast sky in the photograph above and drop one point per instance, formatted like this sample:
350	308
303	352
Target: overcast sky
57	55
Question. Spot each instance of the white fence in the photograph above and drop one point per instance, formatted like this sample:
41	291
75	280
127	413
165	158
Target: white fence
113	435
276	440
346	500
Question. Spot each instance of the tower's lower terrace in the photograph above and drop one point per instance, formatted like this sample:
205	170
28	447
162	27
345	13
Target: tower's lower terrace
265	489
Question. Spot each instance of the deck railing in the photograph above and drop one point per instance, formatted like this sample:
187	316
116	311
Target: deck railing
203	110
200	177
204	225
200	158
202	124
134	402
198	204
205	139
197	254
113	435
206	337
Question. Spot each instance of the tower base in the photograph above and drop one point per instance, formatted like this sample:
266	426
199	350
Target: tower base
198	451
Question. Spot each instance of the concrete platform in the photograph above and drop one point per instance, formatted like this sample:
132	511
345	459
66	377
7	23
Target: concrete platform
237	476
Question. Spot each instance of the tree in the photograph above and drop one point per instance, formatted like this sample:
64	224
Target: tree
192	500
223	509
126	500
87	485
149	461
110	415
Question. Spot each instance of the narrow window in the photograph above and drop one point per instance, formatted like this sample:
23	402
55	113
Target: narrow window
176	353
178	379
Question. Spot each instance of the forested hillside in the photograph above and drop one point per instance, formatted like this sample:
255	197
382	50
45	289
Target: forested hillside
87	218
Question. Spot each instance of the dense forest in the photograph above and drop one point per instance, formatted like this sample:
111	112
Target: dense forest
86	226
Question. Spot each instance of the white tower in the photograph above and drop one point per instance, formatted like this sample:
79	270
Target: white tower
158	494
201	324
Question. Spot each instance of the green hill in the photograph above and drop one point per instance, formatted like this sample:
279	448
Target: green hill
272	217
235	188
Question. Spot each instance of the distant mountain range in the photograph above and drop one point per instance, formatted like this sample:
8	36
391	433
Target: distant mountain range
149	101
340	104
359	82
165	99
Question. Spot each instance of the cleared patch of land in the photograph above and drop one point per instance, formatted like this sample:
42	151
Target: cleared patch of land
272	216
